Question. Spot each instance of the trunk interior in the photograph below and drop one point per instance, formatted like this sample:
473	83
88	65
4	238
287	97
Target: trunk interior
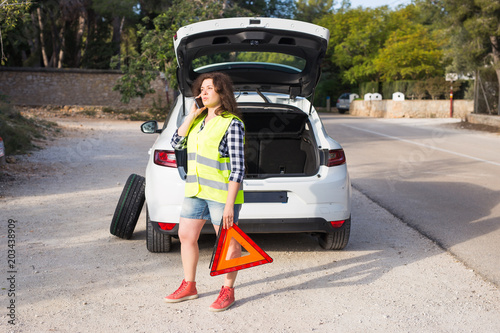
279	142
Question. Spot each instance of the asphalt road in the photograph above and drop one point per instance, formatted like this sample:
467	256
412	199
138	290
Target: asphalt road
437	178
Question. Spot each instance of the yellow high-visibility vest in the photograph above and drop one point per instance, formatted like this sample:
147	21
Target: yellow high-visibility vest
208	172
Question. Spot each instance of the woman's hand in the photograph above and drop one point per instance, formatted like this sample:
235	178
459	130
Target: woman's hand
228	216
183	130
194	109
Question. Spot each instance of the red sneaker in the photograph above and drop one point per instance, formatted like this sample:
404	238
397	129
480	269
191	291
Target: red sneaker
224	301
186	291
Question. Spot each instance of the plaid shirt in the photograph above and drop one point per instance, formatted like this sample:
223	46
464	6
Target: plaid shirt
230	146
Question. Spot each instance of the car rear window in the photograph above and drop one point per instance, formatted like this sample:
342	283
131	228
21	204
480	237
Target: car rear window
284	60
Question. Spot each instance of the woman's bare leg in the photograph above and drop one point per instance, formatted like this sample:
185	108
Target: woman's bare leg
189	232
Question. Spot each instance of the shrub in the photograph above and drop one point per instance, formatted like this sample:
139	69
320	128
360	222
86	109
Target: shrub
18	132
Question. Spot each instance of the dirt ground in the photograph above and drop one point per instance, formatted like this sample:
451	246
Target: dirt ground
71	275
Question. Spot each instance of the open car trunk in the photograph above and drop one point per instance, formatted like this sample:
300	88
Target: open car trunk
279	142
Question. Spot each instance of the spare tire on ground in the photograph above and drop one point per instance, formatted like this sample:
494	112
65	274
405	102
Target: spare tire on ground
129	207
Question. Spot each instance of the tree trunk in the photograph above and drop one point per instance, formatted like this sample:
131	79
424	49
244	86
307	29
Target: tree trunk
117	34
79	35
91	18
496	60
34	43
62	43
42	41
55	41
498	78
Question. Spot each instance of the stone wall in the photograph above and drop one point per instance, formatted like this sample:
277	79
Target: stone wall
484	119
411	108
71	87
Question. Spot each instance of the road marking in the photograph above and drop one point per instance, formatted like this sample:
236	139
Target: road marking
423	145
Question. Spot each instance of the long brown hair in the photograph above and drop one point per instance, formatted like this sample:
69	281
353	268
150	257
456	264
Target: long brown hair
224	88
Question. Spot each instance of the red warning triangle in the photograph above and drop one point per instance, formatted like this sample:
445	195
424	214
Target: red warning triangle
221	265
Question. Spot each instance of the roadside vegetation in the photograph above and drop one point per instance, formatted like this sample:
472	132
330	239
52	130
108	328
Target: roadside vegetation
20	133
383	48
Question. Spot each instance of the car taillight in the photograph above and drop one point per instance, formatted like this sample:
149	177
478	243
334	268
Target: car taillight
336	157
337	224
166	226
165	158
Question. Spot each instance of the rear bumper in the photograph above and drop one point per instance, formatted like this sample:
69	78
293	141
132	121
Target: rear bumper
291	225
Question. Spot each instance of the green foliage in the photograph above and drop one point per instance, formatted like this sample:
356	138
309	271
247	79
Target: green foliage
438	87
11	12
474	27
368	88
312	10
417	90
280	8
409	53
356	35
379	45
157	51
390	87
99	52
111	8
416	41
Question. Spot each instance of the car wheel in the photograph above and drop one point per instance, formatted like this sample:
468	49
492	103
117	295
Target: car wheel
342	111
155	241
336	240
129	207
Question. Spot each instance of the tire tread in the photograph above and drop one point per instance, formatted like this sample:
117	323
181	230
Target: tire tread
129	207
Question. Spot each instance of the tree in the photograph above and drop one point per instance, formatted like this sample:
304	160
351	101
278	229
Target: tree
356	36
436	87
312	10
156	46
280	8
475	35
410	53
11	11
116	11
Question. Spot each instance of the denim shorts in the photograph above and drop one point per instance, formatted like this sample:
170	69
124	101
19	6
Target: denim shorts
202	209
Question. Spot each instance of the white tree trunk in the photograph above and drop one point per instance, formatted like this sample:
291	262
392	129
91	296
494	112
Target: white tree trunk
42	41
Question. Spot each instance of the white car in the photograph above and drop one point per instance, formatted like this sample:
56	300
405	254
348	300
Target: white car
344	102
296	177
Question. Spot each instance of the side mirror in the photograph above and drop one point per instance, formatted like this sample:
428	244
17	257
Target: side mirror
150	127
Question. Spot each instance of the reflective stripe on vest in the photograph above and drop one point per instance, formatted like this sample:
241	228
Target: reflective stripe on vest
208	162
208	173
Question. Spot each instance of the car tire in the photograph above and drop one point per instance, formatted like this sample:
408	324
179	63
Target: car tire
336	240
129	207
156	242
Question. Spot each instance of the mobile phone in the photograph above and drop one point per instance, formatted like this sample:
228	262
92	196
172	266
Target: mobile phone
199	103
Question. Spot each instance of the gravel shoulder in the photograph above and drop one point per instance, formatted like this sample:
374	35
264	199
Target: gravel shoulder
73	276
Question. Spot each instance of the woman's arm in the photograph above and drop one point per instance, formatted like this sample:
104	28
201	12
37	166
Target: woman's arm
235	142
183	130
228	215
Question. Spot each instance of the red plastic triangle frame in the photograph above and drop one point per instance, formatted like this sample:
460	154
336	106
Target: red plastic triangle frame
221	265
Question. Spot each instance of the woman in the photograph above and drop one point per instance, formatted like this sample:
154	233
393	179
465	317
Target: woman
214	137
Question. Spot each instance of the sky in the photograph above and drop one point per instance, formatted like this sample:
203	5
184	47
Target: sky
378	3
